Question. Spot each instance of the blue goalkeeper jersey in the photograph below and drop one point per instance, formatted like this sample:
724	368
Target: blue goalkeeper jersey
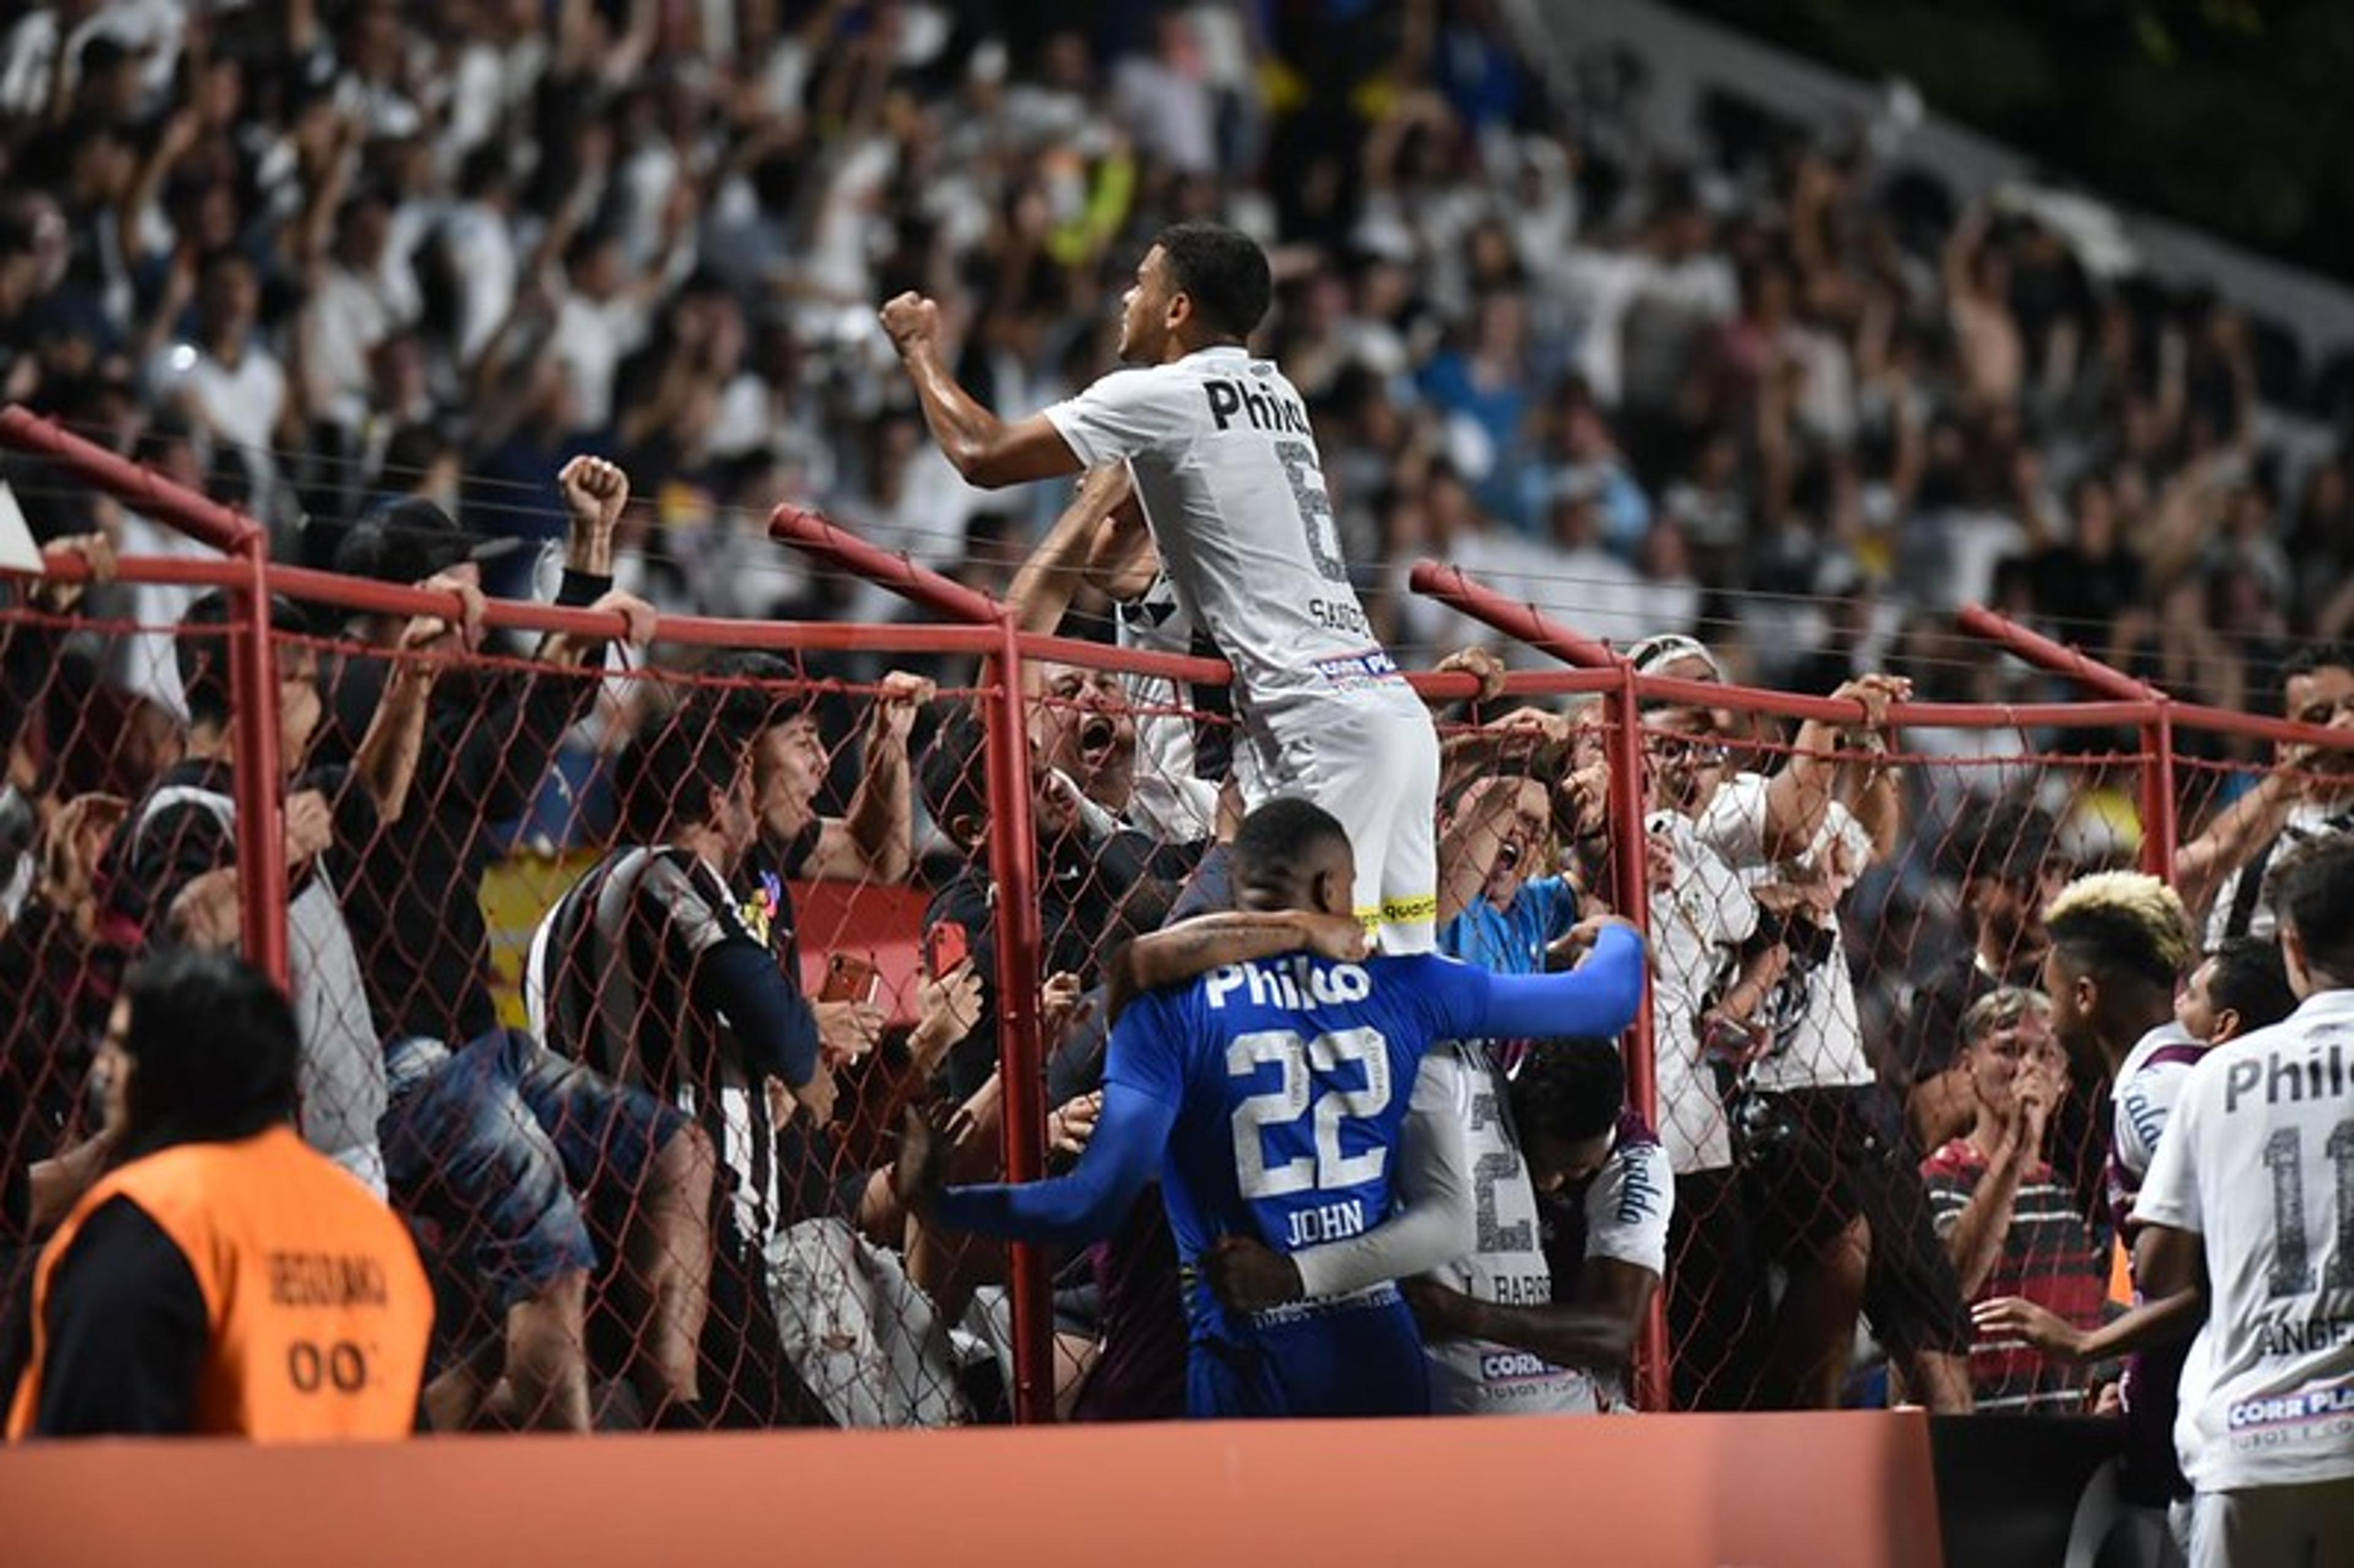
1269	1097
1288	1080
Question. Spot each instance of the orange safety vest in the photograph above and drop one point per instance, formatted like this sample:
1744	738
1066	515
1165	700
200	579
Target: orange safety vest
318	1309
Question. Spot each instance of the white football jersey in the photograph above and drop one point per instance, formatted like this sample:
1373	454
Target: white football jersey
1818	1036
1229	477
2306	820
1172	802
1626	1211
1697	922
2258	1160
2148	1085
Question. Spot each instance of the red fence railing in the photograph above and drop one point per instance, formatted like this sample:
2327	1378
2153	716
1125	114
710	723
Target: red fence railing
973	625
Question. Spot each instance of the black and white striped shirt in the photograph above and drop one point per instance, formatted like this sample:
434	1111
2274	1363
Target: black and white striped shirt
611	981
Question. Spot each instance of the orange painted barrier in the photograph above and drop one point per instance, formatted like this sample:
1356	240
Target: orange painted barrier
1819	1490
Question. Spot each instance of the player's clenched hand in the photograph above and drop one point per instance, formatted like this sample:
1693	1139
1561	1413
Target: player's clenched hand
1249	1276
912	321
1340	938
1585	933
2016	1318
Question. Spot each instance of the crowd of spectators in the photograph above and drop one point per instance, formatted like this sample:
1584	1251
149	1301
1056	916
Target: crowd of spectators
362	268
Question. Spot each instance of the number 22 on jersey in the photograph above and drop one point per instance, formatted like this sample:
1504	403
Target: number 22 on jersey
1306	1110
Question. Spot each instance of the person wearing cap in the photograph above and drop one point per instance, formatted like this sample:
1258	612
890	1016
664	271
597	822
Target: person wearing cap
484	1128
222	1279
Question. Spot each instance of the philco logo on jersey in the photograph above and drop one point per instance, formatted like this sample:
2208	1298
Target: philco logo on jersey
1269	411
2286	1078
1295	984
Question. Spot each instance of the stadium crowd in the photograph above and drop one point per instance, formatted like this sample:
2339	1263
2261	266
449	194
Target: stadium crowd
561	299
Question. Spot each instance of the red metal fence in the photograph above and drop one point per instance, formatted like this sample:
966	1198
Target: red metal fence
2113	770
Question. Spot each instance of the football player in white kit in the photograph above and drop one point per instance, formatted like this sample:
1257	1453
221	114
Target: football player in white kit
2250	1209
1225	468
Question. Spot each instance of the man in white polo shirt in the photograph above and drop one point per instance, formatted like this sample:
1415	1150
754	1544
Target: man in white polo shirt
2250	1209
1218	447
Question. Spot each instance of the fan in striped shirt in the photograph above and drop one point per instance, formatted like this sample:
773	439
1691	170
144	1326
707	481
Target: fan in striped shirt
649	970
2011	1223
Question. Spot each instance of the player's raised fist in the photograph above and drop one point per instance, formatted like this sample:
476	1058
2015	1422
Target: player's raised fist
910	320
1340	938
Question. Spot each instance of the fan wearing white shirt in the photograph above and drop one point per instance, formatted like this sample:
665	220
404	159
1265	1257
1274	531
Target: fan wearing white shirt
2249	1210
1227	471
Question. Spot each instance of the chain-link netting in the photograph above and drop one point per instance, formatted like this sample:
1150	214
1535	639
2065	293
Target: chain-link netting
522	886
1844	1098
524	879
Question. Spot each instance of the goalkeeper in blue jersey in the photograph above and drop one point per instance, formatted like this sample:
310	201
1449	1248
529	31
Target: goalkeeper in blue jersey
1266	1096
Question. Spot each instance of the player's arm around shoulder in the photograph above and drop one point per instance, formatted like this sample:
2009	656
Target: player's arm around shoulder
1191	948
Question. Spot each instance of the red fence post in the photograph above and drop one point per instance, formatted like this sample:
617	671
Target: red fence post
1013	867
1021	1056
1631	889
253	681
259	785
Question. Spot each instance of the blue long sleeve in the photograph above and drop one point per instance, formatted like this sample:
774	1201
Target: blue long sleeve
1086	1205
1594	1000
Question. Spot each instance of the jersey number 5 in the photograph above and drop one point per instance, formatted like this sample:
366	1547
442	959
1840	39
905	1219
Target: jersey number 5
1305	1089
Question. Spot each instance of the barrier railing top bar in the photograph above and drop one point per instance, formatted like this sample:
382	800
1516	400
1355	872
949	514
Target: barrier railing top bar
2061	660
200	518
1518	685
1184	668
361	595
1451	585
2258	727
1938	715
810	531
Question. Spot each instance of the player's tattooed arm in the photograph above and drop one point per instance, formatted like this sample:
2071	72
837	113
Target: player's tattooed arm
1178	953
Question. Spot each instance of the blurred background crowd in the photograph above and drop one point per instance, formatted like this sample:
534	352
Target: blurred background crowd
1795	393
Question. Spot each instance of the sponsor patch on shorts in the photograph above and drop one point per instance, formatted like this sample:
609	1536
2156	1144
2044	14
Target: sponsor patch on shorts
1357	669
